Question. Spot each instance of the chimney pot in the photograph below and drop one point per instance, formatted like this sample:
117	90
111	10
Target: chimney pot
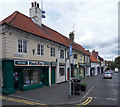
71	36
37	5
32	4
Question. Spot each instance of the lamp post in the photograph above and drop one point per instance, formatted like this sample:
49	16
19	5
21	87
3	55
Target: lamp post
70	54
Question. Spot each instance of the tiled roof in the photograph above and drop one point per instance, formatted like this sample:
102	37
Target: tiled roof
25	23
93	58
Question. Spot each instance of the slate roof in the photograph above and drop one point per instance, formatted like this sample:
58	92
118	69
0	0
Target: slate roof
25	23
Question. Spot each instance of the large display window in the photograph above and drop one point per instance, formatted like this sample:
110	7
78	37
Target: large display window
32	76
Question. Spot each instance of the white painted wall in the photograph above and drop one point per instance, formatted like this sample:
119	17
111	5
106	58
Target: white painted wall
95	65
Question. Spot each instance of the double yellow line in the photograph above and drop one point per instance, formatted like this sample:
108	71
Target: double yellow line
21	101
89	99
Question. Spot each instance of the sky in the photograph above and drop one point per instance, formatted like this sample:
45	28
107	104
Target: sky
94	22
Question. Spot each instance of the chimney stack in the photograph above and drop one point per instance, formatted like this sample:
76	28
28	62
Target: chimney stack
36	13
71	36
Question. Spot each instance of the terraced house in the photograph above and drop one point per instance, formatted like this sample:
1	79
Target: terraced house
34	55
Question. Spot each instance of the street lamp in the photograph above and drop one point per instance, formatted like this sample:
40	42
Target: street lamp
70	54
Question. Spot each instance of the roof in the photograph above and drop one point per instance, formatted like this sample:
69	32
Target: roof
93	58
25	23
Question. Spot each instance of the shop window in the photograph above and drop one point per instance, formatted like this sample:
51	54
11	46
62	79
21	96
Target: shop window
40	49
62	70
32	76
61	53
52	52
22	46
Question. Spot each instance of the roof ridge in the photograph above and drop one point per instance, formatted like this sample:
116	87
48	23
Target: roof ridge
14	16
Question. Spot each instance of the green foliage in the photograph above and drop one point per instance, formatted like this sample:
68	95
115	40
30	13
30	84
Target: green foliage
117	62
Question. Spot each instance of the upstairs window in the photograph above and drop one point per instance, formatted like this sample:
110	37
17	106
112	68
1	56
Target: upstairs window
52	52
61	53
80	57
22	46
75	56
67	54
40	49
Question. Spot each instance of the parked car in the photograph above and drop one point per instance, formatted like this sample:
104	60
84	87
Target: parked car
111	71
116	70
107	74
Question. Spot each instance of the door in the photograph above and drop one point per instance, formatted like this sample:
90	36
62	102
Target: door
45	76
18	79
52	75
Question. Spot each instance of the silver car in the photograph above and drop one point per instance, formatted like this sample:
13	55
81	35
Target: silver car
107	75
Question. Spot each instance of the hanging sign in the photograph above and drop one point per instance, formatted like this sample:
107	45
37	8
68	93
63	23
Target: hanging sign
70	50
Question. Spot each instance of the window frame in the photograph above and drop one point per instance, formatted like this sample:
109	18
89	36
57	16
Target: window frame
22	48
52	51
41	47
63	54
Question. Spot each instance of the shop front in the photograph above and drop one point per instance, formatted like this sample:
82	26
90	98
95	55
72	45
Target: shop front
24	75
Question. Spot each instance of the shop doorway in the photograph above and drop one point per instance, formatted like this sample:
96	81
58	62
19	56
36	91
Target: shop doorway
45	76
52	75
18	79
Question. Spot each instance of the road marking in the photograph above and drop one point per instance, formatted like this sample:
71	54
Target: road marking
110	98
21	101
95	97
92	88
89	99
25	98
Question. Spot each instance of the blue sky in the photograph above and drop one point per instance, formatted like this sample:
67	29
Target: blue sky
95	21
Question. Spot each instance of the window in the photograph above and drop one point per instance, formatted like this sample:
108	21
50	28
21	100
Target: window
52	52
67	54
80	57
75	56
61	70
22	46
40	49
61	53
31	76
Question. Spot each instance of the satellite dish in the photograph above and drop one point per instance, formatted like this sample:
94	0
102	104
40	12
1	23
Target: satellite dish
43	16
43	12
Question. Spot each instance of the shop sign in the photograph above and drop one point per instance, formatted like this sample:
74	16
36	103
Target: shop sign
35	63
16	55
20	63
28	63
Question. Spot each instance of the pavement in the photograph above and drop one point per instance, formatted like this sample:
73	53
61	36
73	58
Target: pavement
57	94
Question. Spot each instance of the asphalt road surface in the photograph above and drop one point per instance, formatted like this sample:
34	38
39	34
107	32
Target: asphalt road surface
105	92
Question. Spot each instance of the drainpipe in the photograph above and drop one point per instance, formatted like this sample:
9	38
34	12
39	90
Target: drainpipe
65	66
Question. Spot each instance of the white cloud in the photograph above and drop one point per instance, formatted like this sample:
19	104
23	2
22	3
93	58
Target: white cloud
95	20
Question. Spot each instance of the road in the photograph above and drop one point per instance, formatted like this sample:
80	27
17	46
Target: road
99	92
105	92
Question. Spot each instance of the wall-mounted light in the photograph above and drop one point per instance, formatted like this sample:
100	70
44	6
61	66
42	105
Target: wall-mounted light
33	51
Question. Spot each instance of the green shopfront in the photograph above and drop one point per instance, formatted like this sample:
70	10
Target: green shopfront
25	75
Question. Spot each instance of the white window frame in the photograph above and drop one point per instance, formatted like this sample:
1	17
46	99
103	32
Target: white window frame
52	53
22	46
63	54
64	70
40	49
80	57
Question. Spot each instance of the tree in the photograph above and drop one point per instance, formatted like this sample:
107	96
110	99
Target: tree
117	62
